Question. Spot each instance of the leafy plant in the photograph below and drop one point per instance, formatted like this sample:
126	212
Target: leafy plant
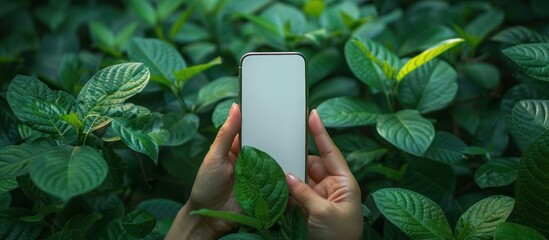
107	110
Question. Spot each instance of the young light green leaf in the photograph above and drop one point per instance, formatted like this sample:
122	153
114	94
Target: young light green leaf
532	59
531	190
185	74
39	107
348	112
429	88
107	89
407	130
509	230
293	225
426	56
221	112
162	59
369	61
66	172
520	35
258	176
497	172
134	138
219	89
446	148
414	214
531	118
145	10
231	216
480	220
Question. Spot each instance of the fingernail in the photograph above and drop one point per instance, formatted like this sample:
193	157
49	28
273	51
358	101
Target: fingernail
291	179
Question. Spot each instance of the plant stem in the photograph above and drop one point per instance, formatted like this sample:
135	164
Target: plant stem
177	92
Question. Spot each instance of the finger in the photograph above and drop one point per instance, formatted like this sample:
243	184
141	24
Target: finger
303	194
225	137
235	148
330	154
315	170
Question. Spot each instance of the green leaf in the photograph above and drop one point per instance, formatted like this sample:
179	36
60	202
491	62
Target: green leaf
370	60
520	35
102	35
429	88
242	236
231	216
347	112
414	214
426	56
480	220
531	190
161	208
136	224
125	34
286	17
360	158
162	59
531	118
446	148
431	179
509	230
66	172
185	74
258	177
532	59
8	184
11	228
167	7
482	25
15	159
497	172
333	87
293	225
135	138
219	89
108	89
221	112
177	129
145	10
485	74
182	19
5	200
322	64
407	130
39	107
492	134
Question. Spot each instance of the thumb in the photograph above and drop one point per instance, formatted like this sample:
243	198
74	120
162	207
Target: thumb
303	193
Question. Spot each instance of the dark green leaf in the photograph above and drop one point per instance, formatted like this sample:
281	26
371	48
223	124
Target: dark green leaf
322	64
221	112
446	148
15	159
531	190
509	230
520	35
242	236
429	88
8	184
407	130
108	89
531	118
482	25
162	59
532	59
219	89
485	74
293	225
492	134
235	217
258	177
39	107
66	172
138	223
417	216
497	172
161	208
431	179
333	87
11	228
135	138
185	74
480	220
102	35
347	112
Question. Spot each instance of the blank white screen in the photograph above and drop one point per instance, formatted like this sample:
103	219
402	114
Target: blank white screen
274	111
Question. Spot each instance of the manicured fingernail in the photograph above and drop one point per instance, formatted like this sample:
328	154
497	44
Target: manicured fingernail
291	179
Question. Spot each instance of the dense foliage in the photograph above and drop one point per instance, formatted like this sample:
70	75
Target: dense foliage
440	108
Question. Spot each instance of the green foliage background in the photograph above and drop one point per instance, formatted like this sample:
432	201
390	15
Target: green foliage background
441	109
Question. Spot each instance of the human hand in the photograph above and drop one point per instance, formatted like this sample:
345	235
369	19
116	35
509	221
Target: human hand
331	199
213	186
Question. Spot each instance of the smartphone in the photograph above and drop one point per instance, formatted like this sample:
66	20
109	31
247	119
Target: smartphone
273	102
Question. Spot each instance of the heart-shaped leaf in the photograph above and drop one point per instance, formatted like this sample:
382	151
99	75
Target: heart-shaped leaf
259	178
414	214
66	172
347	112
480	220
407	130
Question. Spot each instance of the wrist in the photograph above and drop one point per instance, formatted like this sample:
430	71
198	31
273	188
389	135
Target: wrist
187	226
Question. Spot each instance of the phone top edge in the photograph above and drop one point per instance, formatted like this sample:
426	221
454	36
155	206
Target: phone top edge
248	54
